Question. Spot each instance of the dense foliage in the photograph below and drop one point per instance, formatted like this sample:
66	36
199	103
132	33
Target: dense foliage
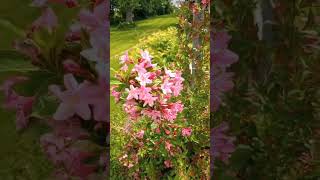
273	109
129	10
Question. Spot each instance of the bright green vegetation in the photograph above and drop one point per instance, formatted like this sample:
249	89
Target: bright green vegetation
122	40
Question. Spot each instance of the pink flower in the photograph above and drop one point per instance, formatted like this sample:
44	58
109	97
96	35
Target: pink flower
130	107
220	84
149	100
42	3
10	82
115	93
176	89
170	73
140	68
166	87
48	20
153	114
144	78
144	94
74	33
221	56
96	24
28	48
145	55
124	68
168	146
133	93
168	163
71	100
140	134
124	59
96	94
186	131
177	106
22	105
221	145
205	2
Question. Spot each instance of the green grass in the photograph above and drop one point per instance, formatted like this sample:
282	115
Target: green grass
121	40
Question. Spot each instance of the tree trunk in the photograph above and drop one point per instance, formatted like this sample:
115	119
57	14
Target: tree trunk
129	15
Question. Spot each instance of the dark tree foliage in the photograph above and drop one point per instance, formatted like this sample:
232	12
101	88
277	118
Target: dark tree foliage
123	10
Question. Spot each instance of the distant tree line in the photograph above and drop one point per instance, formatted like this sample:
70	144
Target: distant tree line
130	10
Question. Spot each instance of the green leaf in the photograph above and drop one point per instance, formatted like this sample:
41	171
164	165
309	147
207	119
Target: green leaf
241	156
12	61
115	82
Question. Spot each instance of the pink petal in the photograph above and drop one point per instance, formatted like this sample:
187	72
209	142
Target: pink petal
87	19
48	20
56	91
70	82
100	11
64	112
83	111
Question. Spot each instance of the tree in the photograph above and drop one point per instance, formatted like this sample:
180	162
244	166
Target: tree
127	7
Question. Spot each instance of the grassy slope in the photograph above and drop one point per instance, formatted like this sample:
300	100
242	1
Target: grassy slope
123	40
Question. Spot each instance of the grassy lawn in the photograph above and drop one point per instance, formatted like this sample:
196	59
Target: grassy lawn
122	40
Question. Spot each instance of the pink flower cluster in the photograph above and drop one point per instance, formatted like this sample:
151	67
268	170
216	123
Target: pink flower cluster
221	81
222	144
150	89
221	58
21	104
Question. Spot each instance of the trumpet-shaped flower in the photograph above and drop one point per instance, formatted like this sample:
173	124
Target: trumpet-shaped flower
144	78
72	103
47	20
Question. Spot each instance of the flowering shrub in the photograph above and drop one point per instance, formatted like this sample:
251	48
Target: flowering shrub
76	112
157	134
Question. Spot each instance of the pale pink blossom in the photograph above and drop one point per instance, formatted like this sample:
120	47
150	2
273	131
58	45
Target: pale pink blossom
144	94
124	68
144	78
47	20
71	100
186	131
139	68
176	89
168	163
166	87
221	145
146	55
153	114
133	93
170	73
96	94
43	3
23	107
140	134
168	146
96	23
115	93
124	59
130	107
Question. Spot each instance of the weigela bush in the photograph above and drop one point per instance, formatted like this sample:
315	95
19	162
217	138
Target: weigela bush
156	132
